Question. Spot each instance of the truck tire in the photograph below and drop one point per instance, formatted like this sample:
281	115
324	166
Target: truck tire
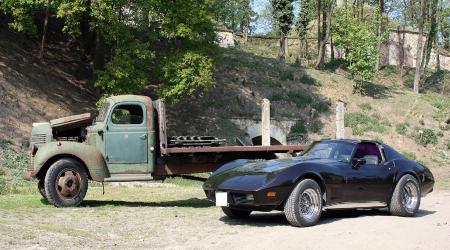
304	205
41	188
66	183
236	213
405	199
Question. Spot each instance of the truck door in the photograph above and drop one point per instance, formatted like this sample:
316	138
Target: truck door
126	139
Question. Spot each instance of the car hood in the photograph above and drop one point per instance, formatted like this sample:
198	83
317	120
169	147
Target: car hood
252	175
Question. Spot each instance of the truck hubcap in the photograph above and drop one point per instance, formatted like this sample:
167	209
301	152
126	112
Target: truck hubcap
68	184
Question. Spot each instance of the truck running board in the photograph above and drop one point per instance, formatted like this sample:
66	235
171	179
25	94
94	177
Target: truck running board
129	177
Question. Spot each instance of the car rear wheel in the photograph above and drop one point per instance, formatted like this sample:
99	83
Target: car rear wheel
66	183
405	199
304	205
236	213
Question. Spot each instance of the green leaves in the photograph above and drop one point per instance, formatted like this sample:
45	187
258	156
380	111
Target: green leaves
185	73
283	14
360	41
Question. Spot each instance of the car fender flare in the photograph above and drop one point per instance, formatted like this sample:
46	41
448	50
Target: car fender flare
314	176
89	156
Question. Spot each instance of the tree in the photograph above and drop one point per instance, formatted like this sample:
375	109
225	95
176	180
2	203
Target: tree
419	61
360	40
305	16
327	6
235	15
432	29
284	17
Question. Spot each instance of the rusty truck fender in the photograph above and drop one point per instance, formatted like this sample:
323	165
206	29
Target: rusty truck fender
89	156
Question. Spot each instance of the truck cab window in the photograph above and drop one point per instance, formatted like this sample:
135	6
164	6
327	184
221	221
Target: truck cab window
368	151
127	114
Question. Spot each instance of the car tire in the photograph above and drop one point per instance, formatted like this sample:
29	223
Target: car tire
405	200
303	208
236	213
41	188
66	183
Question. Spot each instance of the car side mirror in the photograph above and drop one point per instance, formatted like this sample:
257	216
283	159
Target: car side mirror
358	162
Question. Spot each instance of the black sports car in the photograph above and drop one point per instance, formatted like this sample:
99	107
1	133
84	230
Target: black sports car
330	174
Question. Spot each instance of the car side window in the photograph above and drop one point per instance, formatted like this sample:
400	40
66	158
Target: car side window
127	114
368	151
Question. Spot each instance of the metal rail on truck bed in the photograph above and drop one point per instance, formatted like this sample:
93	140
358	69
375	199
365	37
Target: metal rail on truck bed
197	159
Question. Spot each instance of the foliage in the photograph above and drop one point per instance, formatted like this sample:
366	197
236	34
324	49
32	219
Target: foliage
361	123
283	15
140	41
359	39
299	128
409	155
303	99
365	106
306	79
442	105
402	128
234	14
447	143
307	13
287	74
184	74
425	136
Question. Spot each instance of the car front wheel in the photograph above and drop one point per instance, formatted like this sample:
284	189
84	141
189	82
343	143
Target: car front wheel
405	199
304	205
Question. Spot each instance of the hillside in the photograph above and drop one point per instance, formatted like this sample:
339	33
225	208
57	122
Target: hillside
31	91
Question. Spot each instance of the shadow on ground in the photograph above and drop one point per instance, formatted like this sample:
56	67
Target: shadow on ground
328	216
193	202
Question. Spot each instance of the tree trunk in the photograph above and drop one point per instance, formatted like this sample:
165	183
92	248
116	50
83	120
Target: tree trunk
298	59
380	32
306	54
331	47
401	40
286	46
319	36
418	74
99	57
44	30
282	51
431	34
323	41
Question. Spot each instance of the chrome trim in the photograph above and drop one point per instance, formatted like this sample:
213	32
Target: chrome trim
368	204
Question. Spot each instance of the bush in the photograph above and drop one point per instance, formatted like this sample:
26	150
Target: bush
276	97
425	136
409	155
365	106
447	143
361	123
306	79
402	128
299	128
302	99
287	74
12	166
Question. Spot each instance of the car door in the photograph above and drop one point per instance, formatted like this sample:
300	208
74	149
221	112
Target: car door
369	183
126	139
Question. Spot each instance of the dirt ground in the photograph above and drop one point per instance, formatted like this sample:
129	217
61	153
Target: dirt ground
174	217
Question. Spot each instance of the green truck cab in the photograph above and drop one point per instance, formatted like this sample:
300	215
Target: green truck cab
127	141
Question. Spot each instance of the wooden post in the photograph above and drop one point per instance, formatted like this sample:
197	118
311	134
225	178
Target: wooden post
265	123
340	113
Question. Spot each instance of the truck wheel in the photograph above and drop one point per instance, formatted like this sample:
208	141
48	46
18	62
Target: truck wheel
66	183
236	213
405	199
304	205
41	188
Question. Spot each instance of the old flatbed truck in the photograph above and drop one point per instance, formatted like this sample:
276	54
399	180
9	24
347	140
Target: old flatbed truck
126	142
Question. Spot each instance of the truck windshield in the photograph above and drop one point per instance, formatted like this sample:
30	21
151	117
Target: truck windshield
102	113
340	151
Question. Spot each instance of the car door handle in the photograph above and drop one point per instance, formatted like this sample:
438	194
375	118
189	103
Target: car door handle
143	137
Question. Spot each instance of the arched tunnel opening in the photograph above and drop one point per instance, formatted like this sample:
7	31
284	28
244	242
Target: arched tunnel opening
257	140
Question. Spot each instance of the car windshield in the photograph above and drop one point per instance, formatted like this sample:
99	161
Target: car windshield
335	150
102	113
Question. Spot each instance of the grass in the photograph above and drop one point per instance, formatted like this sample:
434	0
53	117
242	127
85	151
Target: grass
362	123
425	136
442	105
409	155
365	106
402	128
302	99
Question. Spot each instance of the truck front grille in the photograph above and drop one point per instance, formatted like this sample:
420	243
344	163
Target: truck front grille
38	139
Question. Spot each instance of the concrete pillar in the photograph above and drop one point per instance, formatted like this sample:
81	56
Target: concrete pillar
265	123
340	114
